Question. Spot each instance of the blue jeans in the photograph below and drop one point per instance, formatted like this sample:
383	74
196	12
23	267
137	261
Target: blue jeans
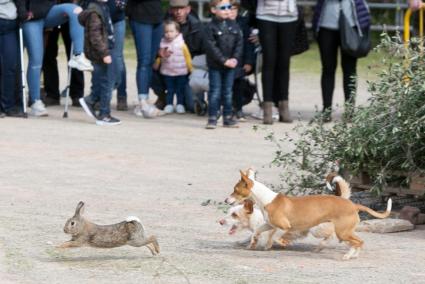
158	86
102	84
8	63
176	85
119	34
221	84
147	38
33	38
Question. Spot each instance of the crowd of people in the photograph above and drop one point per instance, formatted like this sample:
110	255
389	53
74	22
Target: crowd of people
168	47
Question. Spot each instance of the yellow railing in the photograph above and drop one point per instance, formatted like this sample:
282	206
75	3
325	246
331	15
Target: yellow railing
406	36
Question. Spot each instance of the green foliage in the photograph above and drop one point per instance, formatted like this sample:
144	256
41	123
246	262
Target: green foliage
382	138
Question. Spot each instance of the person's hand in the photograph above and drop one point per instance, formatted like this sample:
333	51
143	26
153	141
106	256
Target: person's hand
164	52
107	59
231	63
416	4
30	15
253	37
156	65
247	68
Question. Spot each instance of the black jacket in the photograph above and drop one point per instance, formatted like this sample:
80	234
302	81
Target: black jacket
145	11
223	41
39	8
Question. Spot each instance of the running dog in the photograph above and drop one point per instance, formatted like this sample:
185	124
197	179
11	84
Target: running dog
299	214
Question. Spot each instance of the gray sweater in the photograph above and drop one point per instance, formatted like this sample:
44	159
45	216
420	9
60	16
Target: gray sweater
7	10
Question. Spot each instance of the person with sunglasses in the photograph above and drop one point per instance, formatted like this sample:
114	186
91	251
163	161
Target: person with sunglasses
224	47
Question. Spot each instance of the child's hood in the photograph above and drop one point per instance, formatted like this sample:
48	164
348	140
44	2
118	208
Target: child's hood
85	14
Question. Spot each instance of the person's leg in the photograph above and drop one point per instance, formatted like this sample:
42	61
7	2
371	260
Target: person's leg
122	88
76	90
143	38
328	41
105	89
214	95
189	102
181	86
50	69
61	13
119	34
159	88
237	94
33	38
349	70
8	67
286	36
228	77
171	89
268	39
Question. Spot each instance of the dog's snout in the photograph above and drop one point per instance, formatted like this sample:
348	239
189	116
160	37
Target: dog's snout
229	200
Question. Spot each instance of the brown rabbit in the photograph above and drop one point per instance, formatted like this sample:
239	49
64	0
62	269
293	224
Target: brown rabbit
85	233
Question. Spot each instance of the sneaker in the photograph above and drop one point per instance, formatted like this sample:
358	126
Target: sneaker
180	109
149	111
211	124
88	108
260	115
122	104
15	112
107	120
169	109
240	116
138	110
38	109
230	122
2	114
80	62
49	101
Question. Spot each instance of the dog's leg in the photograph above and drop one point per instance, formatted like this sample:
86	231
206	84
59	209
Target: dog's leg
264	228
270	239
344	229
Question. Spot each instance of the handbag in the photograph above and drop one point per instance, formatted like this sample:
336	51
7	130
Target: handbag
354	41
300	43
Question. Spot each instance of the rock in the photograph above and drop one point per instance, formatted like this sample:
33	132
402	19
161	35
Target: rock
412	214
384	226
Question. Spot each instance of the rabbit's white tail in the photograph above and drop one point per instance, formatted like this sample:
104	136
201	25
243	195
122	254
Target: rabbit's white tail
135	219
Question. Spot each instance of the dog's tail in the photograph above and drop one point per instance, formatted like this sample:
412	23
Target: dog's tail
342	187
374	213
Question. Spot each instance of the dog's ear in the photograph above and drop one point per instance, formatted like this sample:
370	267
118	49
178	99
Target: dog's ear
246	179
248	205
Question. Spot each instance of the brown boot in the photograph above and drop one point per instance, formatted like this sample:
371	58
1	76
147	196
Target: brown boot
268	112
284	115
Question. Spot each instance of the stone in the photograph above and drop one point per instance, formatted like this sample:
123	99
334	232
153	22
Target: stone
384	226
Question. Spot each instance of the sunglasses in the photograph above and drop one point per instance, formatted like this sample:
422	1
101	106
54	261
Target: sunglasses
224	7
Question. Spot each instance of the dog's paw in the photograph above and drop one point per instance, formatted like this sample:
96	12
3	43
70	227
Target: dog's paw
252	246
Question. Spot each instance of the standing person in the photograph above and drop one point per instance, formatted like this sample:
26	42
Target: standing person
146	24
246	65
277	21
326	27
176	67
117	10
50	67
224	45
193	34
37	15
9	54
99	43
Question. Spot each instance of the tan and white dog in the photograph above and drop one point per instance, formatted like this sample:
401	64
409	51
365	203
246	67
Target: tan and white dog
247	217
299	214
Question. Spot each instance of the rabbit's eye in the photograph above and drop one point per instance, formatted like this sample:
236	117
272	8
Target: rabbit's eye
72	223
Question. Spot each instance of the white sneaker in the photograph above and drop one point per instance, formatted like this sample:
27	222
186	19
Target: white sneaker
259	114
138	110
38	109
169	109
180	109
80	62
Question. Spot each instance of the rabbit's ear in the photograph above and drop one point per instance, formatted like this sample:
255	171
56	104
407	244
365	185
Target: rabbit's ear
80	209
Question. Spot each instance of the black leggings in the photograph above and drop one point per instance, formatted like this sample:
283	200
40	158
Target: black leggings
329	41
276	41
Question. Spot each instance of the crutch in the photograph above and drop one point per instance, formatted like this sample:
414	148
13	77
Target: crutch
65	113
21	50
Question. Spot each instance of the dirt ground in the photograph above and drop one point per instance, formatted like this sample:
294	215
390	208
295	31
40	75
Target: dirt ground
162	170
